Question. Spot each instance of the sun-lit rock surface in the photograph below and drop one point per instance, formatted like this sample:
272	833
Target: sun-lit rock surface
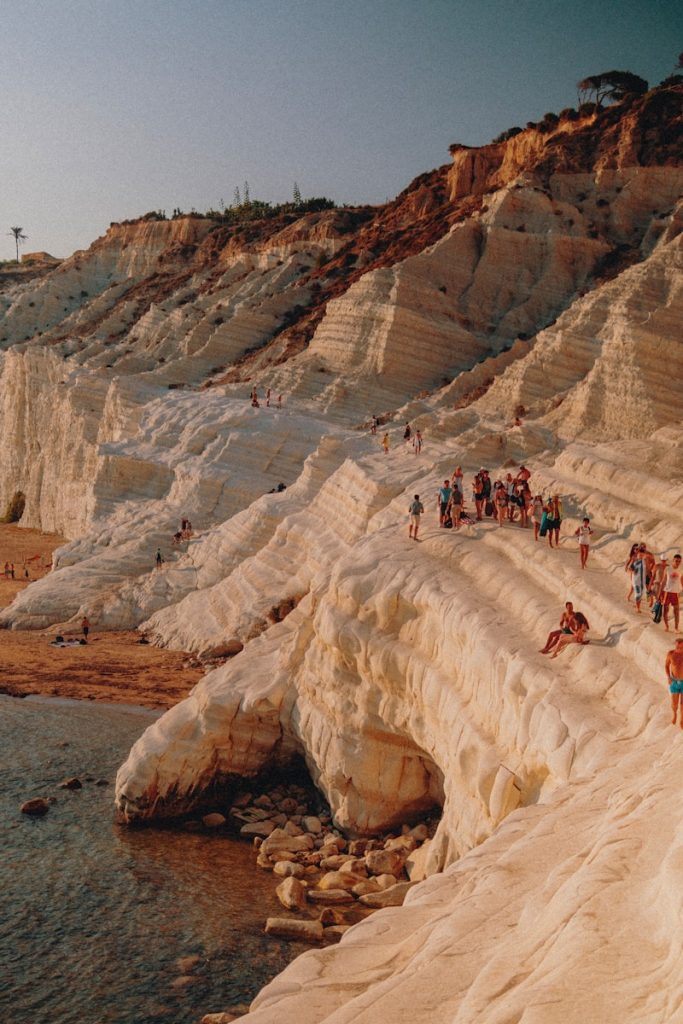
539	277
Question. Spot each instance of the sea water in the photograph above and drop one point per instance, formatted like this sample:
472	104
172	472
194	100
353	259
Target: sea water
95	916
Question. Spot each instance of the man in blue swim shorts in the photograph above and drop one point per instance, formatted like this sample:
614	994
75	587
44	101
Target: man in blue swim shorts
674	675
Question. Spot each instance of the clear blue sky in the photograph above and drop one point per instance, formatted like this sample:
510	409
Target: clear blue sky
110	108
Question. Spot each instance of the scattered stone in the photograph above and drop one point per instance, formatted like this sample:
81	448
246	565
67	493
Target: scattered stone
420	832
214	820
292	829
241	801
335	931
287	806
264	861
416	865
290	928
36	807
257	828
328	916
354	866
386	881
365	886
184	980
311	869
291	894
219	1018
287	869
405	843
73	783
333	896
337	861
280	840
358	847
102	782
392	897
337	880
186	964
281	820
263	801
384	862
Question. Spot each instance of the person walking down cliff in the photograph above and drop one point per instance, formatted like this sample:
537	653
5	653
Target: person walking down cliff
85	626
373	425
385	443
407	434
584	533
159	559
637	567
674	677
417	442
670	591
554	520
415	510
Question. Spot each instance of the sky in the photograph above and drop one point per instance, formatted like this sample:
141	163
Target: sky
111	108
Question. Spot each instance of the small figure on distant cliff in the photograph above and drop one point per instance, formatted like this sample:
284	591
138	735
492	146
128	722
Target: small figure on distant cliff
417	442
385	443
268	398
584	533
407	434
85	626
443	496
415	511
373	425
279	401
159	559
565	627
6	570
11	570
670	592
674	677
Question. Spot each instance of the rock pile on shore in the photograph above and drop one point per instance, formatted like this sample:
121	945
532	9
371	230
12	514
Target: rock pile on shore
325	880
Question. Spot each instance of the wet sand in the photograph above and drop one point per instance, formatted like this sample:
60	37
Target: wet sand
113	667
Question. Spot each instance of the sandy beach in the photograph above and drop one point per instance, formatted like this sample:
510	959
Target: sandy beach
113	667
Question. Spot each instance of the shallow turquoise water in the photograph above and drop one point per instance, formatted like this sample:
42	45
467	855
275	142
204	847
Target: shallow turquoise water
93	916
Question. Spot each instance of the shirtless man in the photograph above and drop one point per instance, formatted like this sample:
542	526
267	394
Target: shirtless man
674	677
565	627
670	592
579	628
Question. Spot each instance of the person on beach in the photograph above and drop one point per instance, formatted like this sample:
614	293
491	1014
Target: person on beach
85	626
637	567
674	677
443	497
385	443
584	533
500	500
627	568
407	434
670	592
159	559
523	476
415	510
417	442
554	520
456	503
478	494
537	508
373	425
577	635
565	628
267	398
457	478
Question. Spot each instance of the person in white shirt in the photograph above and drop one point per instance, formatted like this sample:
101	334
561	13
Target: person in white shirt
584	533
670	592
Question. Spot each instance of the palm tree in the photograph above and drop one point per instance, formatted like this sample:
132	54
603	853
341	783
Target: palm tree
19	236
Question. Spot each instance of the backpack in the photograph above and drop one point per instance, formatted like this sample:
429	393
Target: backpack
489	507
657	612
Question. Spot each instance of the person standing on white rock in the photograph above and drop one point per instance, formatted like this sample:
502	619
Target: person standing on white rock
674	677
584	533
415	511
159	559
443	496
670	592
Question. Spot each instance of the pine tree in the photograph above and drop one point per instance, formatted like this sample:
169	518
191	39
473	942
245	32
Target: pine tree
245	192
236	200
296	195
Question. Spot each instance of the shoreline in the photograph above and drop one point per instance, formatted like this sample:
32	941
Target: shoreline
113	668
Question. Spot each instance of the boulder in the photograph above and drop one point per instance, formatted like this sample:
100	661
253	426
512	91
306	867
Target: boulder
334	932
290	928
291	894
385	862
420	832
280	840
287	806
358	847
337	880
288	869
336	861
416	865
258	828
310	823
214	820
354	866
331	896
73	783
263	801
292	829
328	915
391	897
241	801
402	843
36	807
365	886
